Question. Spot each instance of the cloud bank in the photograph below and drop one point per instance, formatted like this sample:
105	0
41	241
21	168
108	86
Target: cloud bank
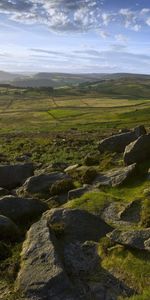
74	15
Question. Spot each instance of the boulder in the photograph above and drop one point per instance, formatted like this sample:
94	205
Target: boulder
40	185
81	257
8	229
138	239
42	275
118	142
12	176
115	177
21	209
77	224
138	151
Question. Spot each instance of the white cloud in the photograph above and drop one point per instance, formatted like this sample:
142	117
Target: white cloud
121	38
148	21
145	11
103	34
72	15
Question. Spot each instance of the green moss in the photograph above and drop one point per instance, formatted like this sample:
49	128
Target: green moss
133	267
92	201
145	215
144	296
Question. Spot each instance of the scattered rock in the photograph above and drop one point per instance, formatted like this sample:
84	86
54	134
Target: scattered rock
138	239
40	185
77	224
42	275
138	151
118	142
8	229
115	177
12	176
21	209
77	193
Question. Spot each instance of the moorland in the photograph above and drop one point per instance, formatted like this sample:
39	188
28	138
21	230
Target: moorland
60	125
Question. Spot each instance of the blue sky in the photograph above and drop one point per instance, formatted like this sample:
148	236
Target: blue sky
76	36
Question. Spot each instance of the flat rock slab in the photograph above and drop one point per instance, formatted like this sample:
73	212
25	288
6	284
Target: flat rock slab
138	151
77	224
42	275
77	193
138	239
21	209
115	177
12	176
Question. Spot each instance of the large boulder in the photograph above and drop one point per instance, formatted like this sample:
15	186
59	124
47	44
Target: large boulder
115	177
42	275
138	151
8	229
77	224
21	209
138	239
81	257
118	142
40	185
12	176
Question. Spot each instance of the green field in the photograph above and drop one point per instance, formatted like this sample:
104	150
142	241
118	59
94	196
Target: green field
29	112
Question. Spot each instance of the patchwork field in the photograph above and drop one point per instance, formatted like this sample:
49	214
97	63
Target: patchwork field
20	112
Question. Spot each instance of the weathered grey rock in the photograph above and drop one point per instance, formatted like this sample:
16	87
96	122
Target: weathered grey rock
77	193
8	229
12	176
138	151
77	224
138	239
118	142
81	257
40	184
115	177
42	275
131	212
21	209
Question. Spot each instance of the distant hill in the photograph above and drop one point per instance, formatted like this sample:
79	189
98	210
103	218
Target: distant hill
6	77
114	85
117	86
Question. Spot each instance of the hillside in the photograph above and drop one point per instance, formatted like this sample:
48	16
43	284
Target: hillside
135	87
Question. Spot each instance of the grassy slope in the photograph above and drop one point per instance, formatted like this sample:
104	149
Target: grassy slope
41	117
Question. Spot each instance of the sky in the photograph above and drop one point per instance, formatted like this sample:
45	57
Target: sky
75	36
